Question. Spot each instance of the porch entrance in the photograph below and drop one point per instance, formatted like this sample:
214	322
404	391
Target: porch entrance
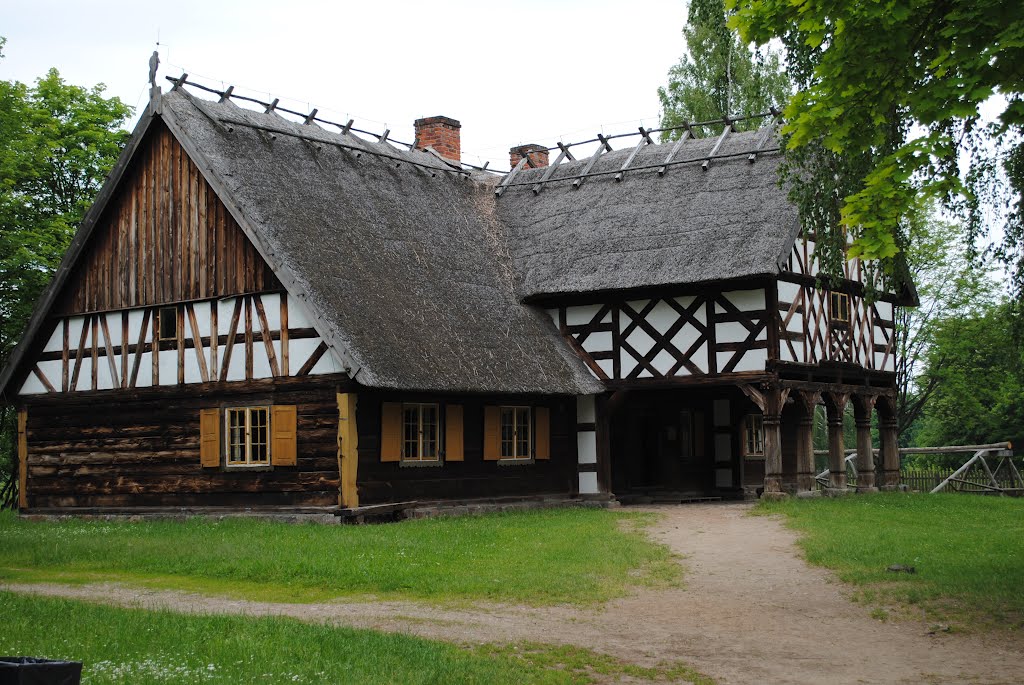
662	447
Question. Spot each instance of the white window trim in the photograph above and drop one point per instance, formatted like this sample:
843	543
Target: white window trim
248	463
420	460
517	459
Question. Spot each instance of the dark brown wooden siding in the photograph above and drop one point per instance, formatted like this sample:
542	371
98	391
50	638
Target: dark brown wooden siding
164	237
142	449
473	477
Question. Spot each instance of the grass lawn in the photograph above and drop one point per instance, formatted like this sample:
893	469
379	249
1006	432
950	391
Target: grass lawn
552	556
967	550
143	647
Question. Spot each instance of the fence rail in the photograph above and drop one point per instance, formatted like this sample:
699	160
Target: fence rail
926	480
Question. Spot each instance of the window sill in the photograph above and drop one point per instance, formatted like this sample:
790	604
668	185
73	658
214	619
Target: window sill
437	463
515	462
248	467
754	457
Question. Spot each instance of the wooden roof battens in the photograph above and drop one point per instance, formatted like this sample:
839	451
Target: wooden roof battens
688	133
383	138
178	82
226	95
511	176
645	139
730	127
563	154
602	148
766	132
310	118
221	125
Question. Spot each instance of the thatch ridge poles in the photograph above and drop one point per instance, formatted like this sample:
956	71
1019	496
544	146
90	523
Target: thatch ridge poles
564	152
766	130
344	146
688	133
730	127
507	181
644	140
592	161
274	106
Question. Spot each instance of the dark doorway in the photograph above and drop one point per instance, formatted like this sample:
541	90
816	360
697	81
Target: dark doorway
659	448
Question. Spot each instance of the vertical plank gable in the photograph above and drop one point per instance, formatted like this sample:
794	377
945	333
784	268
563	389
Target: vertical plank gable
165	237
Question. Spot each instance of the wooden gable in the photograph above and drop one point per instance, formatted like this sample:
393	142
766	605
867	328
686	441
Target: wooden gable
164	237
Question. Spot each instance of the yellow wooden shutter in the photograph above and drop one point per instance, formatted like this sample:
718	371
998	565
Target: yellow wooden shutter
348	450
453	449
542	424
209	438
492	433
391	432
284	429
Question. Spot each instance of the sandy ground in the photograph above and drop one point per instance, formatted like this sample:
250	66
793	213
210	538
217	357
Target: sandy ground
752	612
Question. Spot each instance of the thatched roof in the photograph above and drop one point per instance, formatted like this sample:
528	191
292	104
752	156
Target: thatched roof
419	278
404	268
689	226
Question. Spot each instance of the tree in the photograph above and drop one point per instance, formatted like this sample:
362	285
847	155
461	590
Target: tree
979	368
57	144
888	106
951	288
719	76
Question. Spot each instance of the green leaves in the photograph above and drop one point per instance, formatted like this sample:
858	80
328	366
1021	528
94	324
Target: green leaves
719	75
870	75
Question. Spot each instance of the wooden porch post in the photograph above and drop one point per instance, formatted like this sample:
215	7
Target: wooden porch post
889	449
348	451
805	441
770	401
863	405
836	405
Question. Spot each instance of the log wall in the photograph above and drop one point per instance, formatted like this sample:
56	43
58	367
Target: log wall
139	449
164	237
381	482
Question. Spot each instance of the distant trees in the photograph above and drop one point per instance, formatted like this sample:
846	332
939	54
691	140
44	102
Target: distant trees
57	144
719	75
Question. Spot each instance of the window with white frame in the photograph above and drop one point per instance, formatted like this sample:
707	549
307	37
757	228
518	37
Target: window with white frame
753	434
247	436
420	432
516	425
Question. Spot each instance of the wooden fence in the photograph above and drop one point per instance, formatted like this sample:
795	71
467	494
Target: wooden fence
925	480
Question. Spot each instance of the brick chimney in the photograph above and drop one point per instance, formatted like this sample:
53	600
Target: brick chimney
440	133
538	155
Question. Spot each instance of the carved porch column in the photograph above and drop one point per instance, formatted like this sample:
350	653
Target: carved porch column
770	401
890	450
835	405
863	405
805	440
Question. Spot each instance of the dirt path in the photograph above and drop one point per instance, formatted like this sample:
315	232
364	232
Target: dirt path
752	612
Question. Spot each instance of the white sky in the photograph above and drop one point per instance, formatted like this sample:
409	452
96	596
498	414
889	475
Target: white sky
513	72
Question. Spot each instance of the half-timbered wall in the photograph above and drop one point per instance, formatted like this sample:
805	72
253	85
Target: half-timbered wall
165	237
242	338
809	333
663	337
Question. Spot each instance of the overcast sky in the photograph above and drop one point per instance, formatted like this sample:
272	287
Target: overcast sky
512	72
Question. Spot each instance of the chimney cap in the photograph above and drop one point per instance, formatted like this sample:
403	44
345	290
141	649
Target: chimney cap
527	148
439	119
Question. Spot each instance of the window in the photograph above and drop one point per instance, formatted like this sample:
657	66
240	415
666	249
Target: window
515	433
840	307
248	433
419	432
168	317
753	432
